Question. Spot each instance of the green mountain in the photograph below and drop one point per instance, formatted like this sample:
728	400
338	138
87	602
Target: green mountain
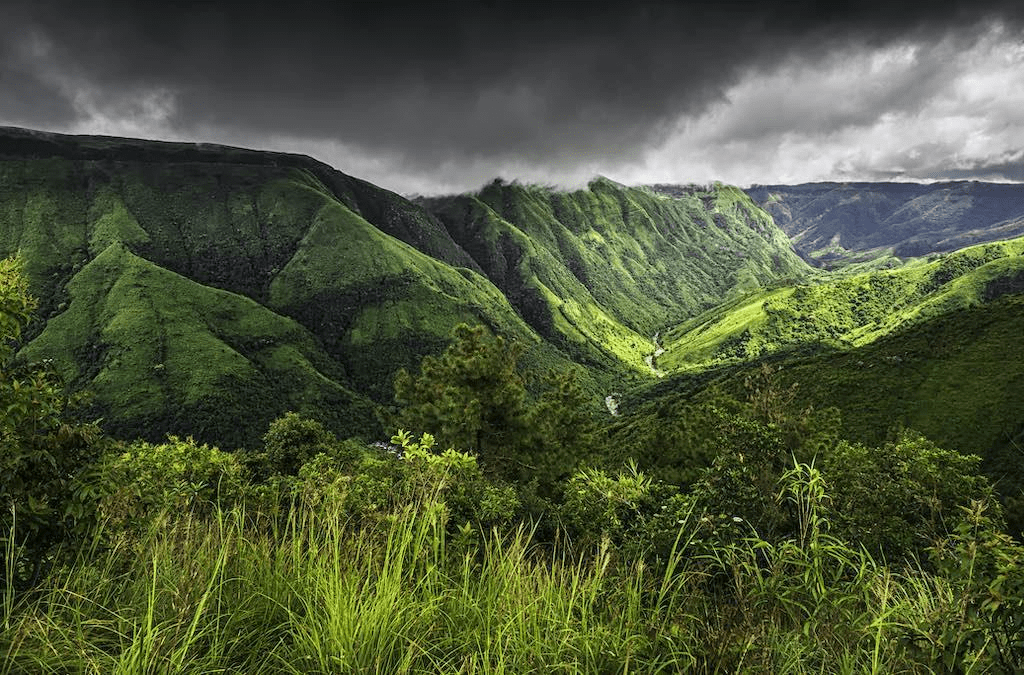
204	290
174	278
598	271
161	352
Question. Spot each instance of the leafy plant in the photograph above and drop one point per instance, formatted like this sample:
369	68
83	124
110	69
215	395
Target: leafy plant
980	626
41	449
145	482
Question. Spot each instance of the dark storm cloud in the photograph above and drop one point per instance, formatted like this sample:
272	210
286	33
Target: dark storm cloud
25	93
459	84
30	100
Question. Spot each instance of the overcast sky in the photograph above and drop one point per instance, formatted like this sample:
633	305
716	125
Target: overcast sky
426	99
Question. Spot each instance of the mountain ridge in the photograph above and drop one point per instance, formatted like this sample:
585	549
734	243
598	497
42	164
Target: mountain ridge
341	282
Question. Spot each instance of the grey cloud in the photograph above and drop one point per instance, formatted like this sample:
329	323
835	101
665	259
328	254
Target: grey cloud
1005	167
486	85
797	100
31	101
27	93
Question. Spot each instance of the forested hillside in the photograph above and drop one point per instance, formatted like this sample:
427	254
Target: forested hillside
605	268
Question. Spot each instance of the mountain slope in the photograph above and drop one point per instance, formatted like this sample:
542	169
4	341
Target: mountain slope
157	365
956	377
845	311
599	270
285	232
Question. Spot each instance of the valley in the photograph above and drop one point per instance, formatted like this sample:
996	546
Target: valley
779	399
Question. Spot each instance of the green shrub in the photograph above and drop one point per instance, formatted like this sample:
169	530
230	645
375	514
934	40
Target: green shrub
41	449
291	441
980	625
898	499
146	480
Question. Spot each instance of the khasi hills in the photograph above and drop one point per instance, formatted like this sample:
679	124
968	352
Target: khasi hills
204	290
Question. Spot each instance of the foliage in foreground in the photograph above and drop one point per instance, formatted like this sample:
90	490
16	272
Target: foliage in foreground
40	450
241	590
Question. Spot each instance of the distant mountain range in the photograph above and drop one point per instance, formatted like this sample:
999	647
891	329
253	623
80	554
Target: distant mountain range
836	223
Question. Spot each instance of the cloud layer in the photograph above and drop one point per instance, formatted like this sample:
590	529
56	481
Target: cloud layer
910	110
420	99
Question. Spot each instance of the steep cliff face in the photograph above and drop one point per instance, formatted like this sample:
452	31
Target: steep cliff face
205	290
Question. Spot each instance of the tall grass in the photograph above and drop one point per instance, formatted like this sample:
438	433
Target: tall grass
319	593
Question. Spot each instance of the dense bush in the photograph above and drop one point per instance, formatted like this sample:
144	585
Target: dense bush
898	499
143	481
41	448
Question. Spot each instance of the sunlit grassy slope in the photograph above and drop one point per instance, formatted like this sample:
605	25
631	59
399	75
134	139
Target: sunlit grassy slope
602	269
845	311
161	352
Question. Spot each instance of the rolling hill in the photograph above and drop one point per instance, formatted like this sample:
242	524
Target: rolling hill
846	310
